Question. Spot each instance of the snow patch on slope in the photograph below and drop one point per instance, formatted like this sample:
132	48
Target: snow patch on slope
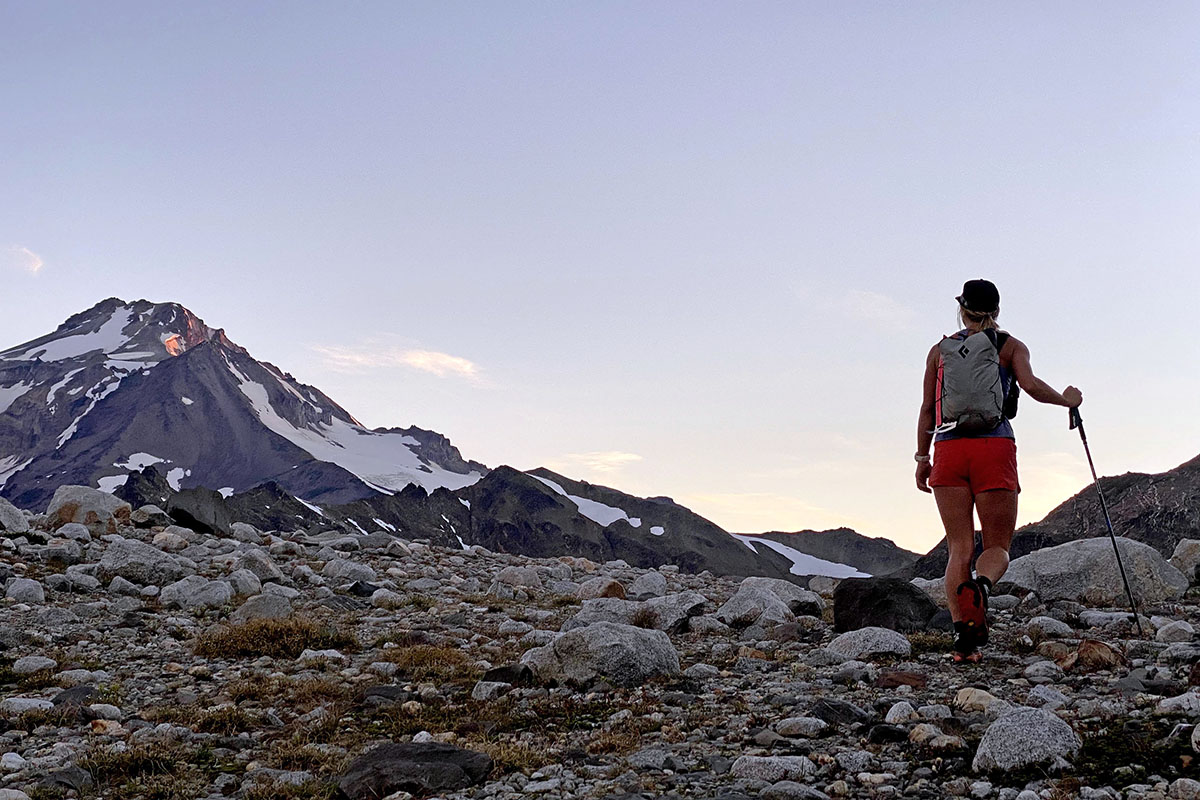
108	338
603	515
10	394
802	563
383	461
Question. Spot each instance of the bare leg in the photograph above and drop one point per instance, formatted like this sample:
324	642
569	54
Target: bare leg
956	506
997	518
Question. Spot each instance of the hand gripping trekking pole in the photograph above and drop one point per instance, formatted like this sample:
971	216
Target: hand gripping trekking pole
1077	422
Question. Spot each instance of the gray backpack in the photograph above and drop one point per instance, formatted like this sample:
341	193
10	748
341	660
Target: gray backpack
971	399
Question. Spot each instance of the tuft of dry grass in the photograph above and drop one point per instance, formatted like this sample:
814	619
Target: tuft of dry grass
508	756
644	617
930	642
309	790
277	638
298	753
431	662
621	741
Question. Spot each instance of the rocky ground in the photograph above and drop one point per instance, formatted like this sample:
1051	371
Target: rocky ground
145	660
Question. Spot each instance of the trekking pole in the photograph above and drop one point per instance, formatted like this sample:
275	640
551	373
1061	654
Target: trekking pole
1077	422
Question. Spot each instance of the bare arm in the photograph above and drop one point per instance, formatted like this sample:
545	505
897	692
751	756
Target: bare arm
1034	386
925	420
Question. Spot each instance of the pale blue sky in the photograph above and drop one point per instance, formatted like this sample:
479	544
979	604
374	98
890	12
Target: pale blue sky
717	238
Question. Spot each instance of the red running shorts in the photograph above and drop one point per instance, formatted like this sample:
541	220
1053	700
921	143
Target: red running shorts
980	464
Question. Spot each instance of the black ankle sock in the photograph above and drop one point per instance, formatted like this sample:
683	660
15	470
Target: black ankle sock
985	582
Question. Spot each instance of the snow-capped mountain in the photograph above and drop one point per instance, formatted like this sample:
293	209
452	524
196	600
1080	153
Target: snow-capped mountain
125	385
146	401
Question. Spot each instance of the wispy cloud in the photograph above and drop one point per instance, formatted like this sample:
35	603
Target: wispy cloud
606	461
369	357
23	258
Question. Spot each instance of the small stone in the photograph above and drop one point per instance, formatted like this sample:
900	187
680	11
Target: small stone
801	726
386	598
1043	672
702	672
1049	628
489	690
972	700
900	713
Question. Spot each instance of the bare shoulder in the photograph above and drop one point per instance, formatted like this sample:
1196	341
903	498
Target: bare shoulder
1014	350
935	353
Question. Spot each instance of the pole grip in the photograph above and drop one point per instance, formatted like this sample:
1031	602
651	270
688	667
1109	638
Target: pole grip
1076	419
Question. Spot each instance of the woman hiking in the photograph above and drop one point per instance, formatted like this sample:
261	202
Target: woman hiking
968	401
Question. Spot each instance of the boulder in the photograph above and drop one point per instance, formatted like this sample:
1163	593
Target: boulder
868	642
1025	737
1186	558
139	562
622	654
600	587
202	510
520	576
671	613
260	563
75	532
768	602
651	584
12	520
245	532
773	768
149	516
881	603
196	591
343	569
262	606
25	590
419	768
1086	571
99	511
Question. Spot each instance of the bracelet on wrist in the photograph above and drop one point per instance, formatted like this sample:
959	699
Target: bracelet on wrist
921	457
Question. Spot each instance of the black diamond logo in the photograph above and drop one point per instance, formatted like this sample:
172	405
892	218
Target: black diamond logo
964	351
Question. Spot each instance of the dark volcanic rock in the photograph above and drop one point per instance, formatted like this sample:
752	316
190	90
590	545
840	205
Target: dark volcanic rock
881	602
415	767
517	512
201	510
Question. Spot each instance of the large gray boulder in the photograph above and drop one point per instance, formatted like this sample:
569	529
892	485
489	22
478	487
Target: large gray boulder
260	563
1086	571
768	602
196	591
139	562
622	654
343	569
100	511
868	642
1025	737
12	520
670	613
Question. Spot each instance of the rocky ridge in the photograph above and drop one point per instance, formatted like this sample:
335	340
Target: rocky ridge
143	659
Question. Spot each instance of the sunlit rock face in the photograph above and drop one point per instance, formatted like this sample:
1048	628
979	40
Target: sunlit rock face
124	385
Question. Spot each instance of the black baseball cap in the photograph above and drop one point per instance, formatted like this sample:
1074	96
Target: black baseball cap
980	296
